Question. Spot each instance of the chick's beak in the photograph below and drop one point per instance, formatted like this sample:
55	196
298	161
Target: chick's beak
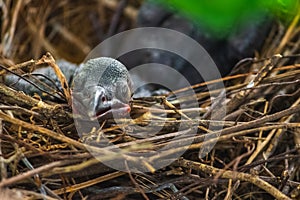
101	105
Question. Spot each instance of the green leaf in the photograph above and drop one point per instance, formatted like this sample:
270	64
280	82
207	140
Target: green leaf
220	16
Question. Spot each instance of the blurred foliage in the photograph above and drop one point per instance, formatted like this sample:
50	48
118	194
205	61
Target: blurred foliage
219	16
68	29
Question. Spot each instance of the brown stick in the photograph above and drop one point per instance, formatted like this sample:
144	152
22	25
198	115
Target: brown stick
228	174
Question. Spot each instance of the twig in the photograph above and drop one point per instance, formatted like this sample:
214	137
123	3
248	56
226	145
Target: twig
25	100
25	175
88	183
135	183
116	18
129	11
27	80
64	83
42	130
233	175
13	26
288	33
2	163
18	66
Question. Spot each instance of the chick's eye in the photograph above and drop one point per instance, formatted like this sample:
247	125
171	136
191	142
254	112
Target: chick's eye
103	98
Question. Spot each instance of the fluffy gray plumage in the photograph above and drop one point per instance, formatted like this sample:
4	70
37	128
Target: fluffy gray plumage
107	73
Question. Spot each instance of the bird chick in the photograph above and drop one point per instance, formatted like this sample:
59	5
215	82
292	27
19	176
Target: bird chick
102	87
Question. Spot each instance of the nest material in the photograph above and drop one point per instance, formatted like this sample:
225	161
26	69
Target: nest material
257	150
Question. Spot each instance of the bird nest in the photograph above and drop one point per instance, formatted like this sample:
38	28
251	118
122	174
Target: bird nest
244	143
